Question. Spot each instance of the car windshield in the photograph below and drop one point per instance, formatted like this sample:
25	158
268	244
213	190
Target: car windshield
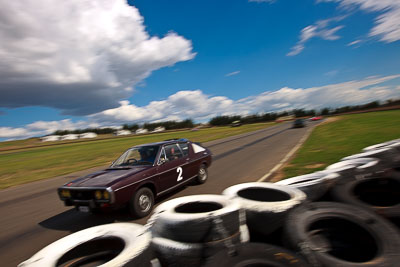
144	155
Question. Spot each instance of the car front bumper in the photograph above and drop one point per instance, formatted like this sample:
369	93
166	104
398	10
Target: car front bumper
83	196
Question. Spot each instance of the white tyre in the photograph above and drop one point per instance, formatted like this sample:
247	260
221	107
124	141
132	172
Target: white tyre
358	167
176	254
116	244
388	155
315	185
266	204
395	142
192	218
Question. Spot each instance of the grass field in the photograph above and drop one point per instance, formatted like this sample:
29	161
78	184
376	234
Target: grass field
329	142
36	163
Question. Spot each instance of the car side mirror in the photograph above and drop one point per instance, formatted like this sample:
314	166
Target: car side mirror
162	161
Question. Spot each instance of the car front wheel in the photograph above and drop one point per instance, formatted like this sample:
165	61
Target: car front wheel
202	175
142	202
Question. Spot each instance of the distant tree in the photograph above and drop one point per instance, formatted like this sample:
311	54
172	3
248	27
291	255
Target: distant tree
170	125
269	117
283	114
130	127
299	113
224	120
311	112
373	104
325	111
251	119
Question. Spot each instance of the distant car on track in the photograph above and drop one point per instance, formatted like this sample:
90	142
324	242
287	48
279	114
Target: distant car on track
299	123
139	176
316	118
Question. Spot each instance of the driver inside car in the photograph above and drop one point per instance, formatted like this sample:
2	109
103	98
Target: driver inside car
147	155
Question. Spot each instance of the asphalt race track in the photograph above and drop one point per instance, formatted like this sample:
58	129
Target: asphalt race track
32	216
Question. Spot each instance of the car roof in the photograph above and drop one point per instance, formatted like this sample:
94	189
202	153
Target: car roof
165	142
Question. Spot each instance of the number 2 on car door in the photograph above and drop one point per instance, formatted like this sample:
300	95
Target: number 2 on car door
180	171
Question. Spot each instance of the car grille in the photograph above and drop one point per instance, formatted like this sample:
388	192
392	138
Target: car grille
82	194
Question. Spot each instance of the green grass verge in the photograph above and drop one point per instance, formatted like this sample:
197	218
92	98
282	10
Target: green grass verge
36	163
330	142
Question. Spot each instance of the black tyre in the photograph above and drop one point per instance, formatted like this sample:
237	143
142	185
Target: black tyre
116	244
142	202
395	221
266	204
180	254
256	254
202	174
381	194
315	185
192	218
335	234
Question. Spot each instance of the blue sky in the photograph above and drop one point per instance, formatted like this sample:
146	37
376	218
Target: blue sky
104	63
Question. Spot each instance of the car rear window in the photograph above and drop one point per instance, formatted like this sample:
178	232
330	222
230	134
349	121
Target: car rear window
185	148
197	148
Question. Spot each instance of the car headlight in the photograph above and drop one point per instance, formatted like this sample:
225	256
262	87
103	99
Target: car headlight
65	193
98	194
106	195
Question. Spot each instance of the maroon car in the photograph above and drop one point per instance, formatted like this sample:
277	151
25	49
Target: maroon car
138	176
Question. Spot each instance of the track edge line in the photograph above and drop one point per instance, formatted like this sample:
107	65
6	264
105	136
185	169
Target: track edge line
288	155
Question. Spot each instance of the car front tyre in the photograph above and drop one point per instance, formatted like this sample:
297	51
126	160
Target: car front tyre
142	202
202	175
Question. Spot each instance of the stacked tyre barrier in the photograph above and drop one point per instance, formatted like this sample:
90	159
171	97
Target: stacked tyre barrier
346	215
188	230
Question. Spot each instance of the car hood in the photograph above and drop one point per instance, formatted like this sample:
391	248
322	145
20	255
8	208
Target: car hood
106	177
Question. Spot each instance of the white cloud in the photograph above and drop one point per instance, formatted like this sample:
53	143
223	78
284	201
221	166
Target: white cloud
48	127
334	95
181	105
40	128
80	56
232	73
6	132
356	42
201	107
387	24
319	29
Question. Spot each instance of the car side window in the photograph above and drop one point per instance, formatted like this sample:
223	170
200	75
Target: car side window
163	157
185	148
172	152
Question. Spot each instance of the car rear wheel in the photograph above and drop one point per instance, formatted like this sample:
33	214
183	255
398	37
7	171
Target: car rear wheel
202	174
142	202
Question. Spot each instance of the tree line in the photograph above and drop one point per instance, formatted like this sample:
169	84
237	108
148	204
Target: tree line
168	125
298	113
227	120
87	130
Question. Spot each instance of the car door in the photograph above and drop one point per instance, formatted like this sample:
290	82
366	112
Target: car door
191	164
171	167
